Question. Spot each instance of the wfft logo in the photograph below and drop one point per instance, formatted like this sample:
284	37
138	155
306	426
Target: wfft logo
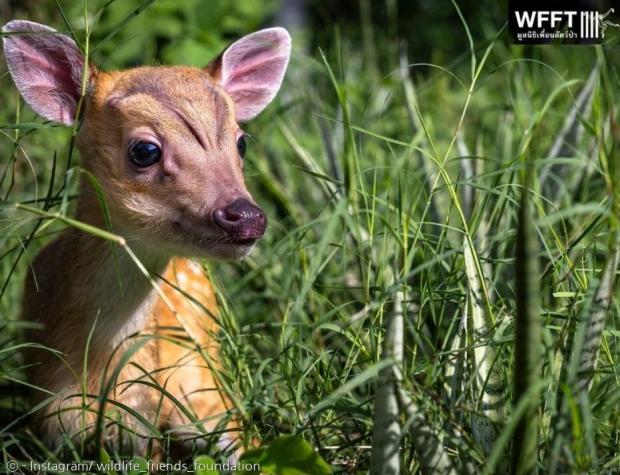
539	26
591	24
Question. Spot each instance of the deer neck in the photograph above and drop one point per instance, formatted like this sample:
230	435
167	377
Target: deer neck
112	291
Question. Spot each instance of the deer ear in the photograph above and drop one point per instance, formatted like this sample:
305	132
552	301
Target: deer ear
46	67
251	70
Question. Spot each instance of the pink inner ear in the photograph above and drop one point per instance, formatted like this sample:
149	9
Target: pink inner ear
253	69
46	68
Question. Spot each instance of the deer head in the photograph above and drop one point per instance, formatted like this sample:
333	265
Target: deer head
164	142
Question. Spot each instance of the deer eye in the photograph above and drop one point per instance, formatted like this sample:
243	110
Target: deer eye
241	146
144	154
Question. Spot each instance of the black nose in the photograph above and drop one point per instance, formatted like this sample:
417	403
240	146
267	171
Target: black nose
241	220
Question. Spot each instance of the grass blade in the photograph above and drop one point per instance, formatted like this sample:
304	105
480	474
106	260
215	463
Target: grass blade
489	388
528	343
386	433
595	322
434	459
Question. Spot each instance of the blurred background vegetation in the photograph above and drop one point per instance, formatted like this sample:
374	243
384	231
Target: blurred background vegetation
388	158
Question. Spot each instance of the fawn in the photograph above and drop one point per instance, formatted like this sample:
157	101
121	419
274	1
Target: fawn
165	145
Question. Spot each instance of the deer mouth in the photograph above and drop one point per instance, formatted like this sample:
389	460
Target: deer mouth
240	241
211	241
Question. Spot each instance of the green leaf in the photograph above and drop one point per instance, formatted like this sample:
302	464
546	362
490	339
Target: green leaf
107	460
203	465
138	466
286	455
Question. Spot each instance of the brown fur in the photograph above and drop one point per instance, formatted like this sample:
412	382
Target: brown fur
76	284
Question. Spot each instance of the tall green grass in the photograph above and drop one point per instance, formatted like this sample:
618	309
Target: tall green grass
417	304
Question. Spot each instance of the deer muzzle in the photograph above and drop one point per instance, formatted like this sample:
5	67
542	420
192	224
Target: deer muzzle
241	220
